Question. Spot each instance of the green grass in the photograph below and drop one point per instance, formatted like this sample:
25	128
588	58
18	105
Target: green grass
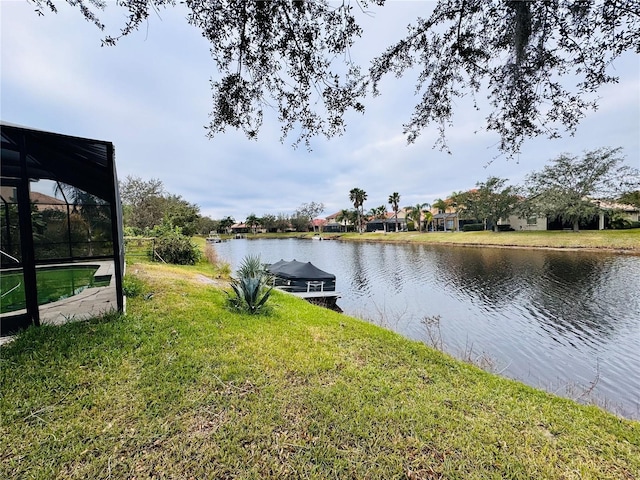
613	240
181	387
627	241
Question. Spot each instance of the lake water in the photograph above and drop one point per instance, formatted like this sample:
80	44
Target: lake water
566	322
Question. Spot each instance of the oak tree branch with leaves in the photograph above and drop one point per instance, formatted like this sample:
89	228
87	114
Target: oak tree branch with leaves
539	63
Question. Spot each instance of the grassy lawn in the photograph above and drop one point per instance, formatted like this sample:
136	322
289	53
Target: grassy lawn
625	241
181	387
619	240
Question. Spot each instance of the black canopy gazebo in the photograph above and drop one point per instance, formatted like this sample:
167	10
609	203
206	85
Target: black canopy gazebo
298	275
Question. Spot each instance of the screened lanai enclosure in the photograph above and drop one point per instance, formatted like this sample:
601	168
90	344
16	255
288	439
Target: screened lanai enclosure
61	249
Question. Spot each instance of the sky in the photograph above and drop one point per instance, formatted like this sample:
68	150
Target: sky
150	96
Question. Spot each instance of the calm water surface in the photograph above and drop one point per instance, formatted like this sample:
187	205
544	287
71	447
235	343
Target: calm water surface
560	321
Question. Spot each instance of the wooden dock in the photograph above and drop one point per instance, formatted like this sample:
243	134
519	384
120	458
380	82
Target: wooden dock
308	295
327	299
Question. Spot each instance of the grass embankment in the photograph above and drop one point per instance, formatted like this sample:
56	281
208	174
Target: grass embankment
608	240
620	241
181	387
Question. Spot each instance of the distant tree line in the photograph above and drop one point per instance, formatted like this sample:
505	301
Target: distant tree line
567	189
300	221
149	210
570	188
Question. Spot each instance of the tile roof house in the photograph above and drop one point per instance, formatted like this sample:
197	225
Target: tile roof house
317	224
333	226
239	228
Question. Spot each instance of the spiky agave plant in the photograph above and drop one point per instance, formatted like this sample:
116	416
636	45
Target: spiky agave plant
251	288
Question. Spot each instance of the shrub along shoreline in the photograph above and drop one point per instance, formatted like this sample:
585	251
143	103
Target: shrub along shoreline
183	387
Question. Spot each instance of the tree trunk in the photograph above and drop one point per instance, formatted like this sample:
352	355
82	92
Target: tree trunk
576	226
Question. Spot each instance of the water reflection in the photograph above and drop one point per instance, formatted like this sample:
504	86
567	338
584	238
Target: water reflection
486	276
567	298
569	293
547	318
359	280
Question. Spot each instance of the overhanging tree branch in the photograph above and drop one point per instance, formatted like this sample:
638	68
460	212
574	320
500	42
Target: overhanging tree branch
540	61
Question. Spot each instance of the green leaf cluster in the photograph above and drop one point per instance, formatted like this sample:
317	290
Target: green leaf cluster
251	288
571	186
173	247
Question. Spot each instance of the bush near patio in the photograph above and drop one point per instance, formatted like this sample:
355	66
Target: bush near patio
173	247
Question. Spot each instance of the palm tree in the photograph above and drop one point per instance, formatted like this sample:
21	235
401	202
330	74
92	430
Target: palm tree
89	213
428	218
252	222
344	216
226	223
379	213
357	197
442	206
415	213
353	217
394	201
